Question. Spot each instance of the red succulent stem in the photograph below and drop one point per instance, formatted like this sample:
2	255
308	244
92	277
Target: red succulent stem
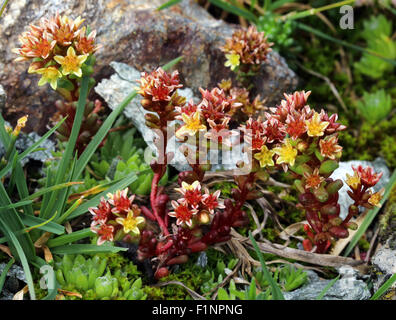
153	197
244	191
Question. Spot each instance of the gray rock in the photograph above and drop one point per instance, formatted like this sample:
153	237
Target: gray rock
379	165
133	32
24	141
202	260
120	84
348	287
3	98
15	273
384	262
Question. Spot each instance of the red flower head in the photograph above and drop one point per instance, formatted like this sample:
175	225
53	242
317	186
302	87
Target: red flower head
104	231
101	213
253	127
182	212
85	44
333	125
62	28
120	201
36	43
274	130
188	109
211	201
216	104
298	99
295	125
367	175
159	85
191	192
329	147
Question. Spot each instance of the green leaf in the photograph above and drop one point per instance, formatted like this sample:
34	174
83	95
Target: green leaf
275	290
70	147
384	287
69	238
20	251
85	249
375	106
329	285
234	10
323	35
222	294
168	4
4	273
42	224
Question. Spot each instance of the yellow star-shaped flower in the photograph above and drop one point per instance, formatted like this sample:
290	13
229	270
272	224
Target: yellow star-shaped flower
315	126
20	124
353	181
232	60
265	157
49	75
131	223
192	124
71	64
287	154
375	198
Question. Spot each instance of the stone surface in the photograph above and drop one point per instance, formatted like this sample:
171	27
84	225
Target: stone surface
378	164
132	32
2	97
11	285
348	287
384	262
24	141
120	84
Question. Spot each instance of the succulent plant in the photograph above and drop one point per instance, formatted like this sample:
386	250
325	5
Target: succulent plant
374	107
378	34
89	126
121	154
88	276
277	31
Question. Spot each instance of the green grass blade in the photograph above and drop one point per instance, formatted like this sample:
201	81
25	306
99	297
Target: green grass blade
3	6
168	4
275	290
370	217
38	223
277	4
12	223
310	12
234	10
21	255
86	249
384	288
16	205
327	288
4	273
50	189
69	238
70	147
323	35
122	184
4	136
52	292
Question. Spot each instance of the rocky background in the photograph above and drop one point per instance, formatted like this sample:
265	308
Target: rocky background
135	33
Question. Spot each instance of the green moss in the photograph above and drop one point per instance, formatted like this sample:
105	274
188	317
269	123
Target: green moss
225	188
371	142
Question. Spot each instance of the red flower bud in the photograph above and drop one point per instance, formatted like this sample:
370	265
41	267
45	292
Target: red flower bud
161	273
